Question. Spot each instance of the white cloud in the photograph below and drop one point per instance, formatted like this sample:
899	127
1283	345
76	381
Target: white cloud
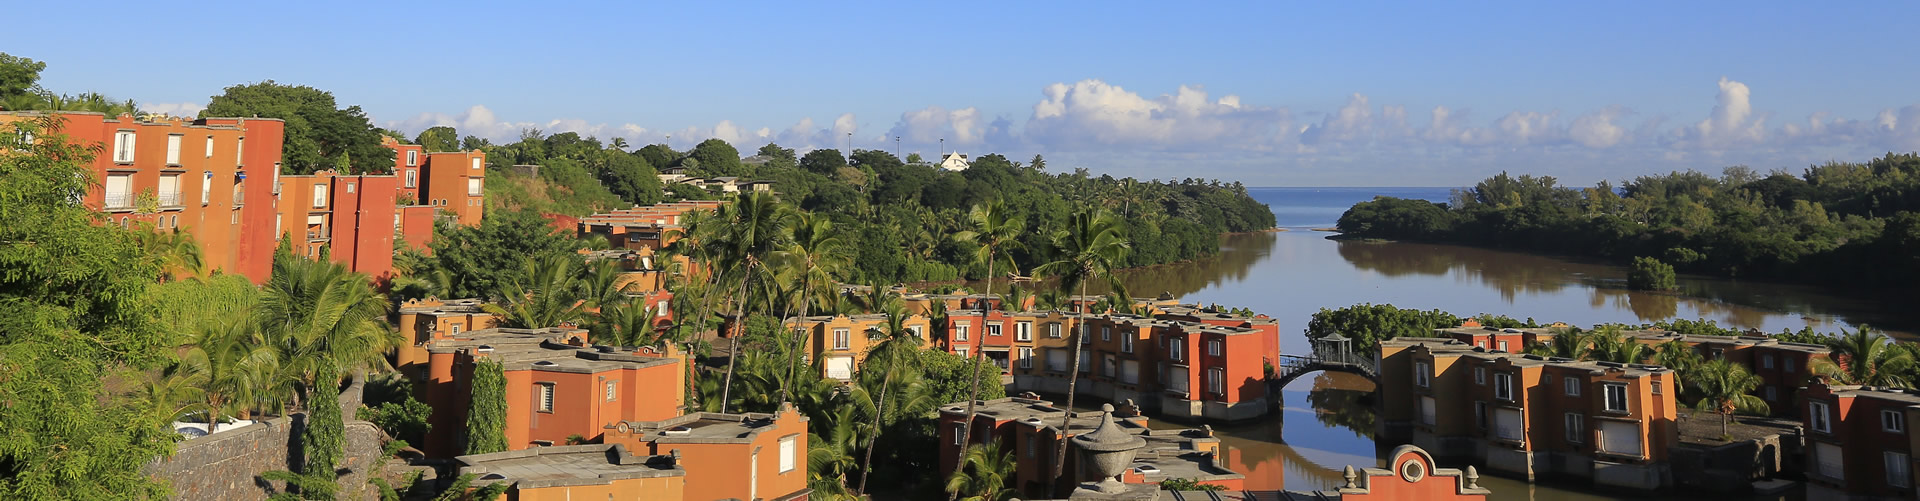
928	125
1733	122
1597	130
174	109
1094	113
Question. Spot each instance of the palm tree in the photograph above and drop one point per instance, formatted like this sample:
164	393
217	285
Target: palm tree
229	368
831	445
1865	357
1724	386
995	235
544	295
602	284
1015	299
984	474
878	296
755	229
892	351
1568	343
626	324
176	252
1091	245
816	254
315	313
1679	356
170	395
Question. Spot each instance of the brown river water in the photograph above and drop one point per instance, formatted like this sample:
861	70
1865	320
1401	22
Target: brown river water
1327	421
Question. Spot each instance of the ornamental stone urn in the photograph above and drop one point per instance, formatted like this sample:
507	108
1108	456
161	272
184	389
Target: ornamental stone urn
1107	451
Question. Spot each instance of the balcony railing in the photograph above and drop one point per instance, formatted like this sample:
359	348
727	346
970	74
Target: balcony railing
119	200
169	199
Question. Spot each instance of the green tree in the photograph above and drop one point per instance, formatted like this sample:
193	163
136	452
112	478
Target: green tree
817	256
480	260
632	178
318	133
487	416
1650	274
995	236
1091	245
1368	324
76	316
754	229
230	369
321	319
658	155
717	159
983	474
1188	484
546	294
891	352
1865	357
824	161
18	75
1724	388
324	440
438	139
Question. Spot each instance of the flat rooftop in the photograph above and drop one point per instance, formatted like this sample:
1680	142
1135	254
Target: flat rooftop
537	467
544	350
703	428
469	305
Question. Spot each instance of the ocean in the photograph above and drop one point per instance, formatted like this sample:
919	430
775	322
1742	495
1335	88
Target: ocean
1297	208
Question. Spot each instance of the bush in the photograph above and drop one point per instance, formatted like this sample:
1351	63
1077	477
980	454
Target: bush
1650	274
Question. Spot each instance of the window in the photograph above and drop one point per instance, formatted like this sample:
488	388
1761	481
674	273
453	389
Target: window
789	453
1107	366
1509	424
119	191
1106	333
1899	469
1893	421
206	188
1503	346
1576	431
169	192
1766	361
1086	334
840	339
1174	348
1428	413
1053	331
1422	372
1789	365
240	153
960	332
349	187
319	195
1831	464
993	330
476	164
209	146
173	148
1480	375
413	178
123	147
545	404
1033	448
957	430
1771	394
1616	397
454	328
840	368
1503	386
1086	361
1026	357
1213	347
1573	386
1130	371
1057	360
413	157
473	186
1126	343
1480	414
1177	379
613	390
918	331
1216	380
1620	437
961	351
1023	331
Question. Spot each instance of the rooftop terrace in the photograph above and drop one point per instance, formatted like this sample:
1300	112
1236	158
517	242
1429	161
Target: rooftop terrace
537	467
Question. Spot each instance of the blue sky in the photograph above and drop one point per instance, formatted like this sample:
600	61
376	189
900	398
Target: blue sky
1270	93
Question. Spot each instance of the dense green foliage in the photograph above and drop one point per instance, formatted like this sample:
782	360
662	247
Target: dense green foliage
319	134
1649	274
324	439
1188	484
480	260
20	90
1841	223
391	406
487	418
74	297
1368	324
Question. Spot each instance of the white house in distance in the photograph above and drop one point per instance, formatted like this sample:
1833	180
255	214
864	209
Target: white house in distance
954	162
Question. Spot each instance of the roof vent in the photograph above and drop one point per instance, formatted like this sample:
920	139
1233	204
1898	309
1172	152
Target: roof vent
484	349
677	431
544	363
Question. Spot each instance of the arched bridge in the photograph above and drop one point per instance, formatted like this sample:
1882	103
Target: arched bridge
1291	367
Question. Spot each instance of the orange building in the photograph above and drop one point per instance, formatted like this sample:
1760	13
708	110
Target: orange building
452	182
563	473
557	387
1029	428
186	175
728	456
842	341
1858	442
424	321
648	227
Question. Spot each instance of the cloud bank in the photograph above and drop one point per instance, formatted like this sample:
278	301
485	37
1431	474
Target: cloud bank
1114	129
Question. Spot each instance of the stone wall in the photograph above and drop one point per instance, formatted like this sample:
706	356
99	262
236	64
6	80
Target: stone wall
227	465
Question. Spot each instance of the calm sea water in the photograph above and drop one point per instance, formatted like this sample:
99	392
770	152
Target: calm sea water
1301	208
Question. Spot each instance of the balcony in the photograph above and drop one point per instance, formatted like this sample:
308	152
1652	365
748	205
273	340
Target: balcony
118	201
169	199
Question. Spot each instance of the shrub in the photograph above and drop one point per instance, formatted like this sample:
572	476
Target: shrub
1650	274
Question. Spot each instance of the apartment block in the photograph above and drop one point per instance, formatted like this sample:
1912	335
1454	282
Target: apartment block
1530	416
647	227
1782	366
1858	443
452	182
1030	429
727	456
424	321
1510	340
842	342
557	386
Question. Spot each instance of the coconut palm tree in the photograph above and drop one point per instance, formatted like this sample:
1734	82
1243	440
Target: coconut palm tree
831	446
815	254
1089	248
1015	299
1568	343
602	284
228	367
626	324
984	474
315	313
176	252
171	394
1724	386
1865	357
755	228
1679	356
995	235
544	295
891	352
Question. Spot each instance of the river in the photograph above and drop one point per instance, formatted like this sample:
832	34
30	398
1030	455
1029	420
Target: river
1327	422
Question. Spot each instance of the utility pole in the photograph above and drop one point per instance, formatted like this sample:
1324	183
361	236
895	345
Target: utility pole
849	143
896	147
943	149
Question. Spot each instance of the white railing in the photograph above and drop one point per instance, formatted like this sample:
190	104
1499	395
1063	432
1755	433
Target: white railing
119	200
169	199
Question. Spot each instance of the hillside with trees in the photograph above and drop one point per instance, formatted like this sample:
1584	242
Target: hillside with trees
1856	224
